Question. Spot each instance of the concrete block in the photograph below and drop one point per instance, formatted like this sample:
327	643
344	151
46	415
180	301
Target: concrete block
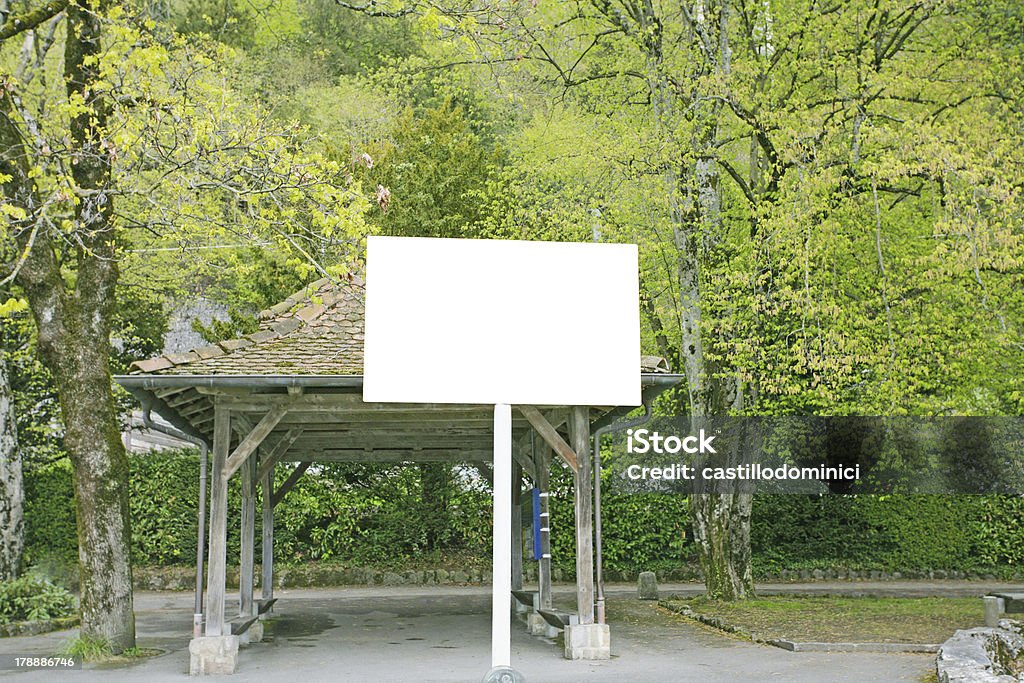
255	632
647	586
213	655
536	625
994	607
588	641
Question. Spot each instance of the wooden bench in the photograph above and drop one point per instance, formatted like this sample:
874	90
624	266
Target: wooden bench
264	604
527	599
241	625
559	619
998	604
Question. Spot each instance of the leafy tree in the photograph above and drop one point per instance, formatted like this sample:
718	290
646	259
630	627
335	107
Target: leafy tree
436	168
133	137
12	494
824	195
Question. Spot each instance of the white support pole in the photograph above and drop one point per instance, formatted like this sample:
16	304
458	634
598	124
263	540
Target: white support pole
501	600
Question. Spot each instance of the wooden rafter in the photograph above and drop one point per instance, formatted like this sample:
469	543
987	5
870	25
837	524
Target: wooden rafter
551	436
252	441
277	451
292	479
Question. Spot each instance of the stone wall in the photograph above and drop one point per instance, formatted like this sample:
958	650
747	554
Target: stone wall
323	576
983	655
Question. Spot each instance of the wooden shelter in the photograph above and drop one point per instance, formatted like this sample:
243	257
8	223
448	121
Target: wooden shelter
291	394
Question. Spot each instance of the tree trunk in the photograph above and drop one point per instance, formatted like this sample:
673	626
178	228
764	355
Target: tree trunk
721	528
12	531
73	324
93	442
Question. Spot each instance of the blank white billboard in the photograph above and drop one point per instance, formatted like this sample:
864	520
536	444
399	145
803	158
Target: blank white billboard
497	321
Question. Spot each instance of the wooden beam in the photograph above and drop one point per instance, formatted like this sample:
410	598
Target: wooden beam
523	460
277	451
356	418
296	474
247	545
542	458
579	430
369	442
334	401
216	571
485	471
392	455
550	435
267	566
253	440
517	527
240	425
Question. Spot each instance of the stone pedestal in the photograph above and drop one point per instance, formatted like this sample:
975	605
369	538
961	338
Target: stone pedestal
993	610
537	625
213	655
588	641
647	586
255	632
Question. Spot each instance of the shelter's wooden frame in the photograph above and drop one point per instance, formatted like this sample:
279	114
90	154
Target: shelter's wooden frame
256	427
273	428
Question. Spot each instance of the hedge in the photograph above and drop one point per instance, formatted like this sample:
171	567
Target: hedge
380	516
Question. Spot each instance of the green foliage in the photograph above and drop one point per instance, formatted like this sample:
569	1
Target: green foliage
228	21
645	532
50	533
365	515
139	324
31	599
238	324
89	649
899	532
436	167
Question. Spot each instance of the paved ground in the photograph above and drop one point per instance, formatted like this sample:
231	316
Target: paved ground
439	633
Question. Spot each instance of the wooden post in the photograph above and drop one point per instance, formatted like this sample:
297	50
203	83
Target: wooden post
579	435
248	537
267	582
217	565
517	526
543	461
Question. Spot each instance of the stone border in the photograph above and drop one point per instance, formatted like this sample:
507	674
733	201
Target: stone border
854	647
313	576
981	655
324	576
34	628
794	646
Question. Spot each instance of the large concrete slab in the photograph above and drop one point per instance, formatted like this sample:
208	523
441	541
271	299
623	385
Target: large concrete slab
443	634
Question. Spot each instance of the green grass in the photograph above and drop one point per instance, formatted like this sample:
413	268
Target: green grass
836	619
99	651
88	649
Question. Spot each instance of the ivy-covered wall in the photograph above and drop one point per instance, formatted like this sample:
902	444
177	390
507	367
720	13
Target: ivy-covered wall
365	516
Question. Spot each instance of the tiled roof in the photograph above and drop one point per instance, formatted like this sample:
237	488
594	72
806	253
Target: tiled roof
316	331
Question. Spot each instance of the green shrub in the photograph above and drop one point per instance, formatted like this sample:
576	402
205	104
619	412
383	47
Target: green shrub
50	534
30	599
381	516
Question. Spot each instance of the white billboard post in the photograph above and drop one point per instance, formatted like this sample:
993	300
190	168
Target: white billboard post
457	320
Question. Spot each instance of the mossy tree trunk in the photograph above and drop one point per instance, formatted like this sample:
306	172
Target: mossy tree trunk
12	530
70	287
